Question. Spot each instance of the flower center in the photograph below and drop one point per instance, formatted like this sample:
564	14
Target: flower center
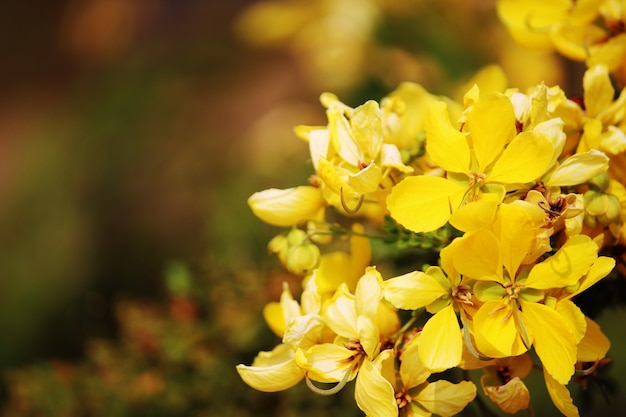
462	294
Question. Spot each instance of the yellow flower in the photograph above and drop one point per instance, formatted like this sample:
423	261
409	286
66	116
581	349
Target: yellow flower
514	314
605	122
480	167
502	383
352	317
356	351
441	341
352	160
422	398
300	326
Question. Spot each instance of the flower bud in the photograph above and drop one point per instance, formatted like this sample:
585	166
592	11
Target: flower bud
279	246
302	259
296	237
601	181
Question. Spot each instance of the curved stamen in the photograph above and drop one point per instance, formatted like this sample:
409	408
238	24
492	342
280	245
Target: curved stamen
329	391
588	371
468	340
345	206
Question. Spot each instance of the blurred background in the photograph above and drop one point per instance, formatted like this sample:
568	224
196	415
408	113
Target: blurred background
132	274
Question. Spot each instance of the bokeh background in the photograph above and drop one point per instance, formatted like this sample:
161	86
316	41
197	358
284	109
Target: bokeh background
132	273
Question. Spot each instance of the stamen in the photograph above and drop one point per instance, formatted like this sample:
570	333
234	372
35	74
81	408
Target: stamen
329	391
345	206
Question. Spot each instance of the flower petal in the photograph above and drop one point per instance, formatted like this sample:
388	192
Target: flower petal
423	203
445	398
413	290
566	266
272	371
480	256
441	343
578	168
287	207
412	370
554	339
495	330
445	145
491	124
373	393
594	345
560	396
525	159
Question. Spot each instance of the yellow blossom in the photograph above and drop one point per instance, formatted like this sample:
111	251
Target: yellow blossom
480	166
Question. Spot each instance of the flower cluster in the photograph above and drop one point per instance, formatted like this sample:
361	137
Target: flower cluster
519	195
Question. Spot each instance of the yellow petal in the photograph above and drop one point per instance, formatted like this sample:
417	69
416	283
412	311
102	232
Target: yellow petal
495	331
590	139
412	370
579	168
445	398
560	396
441	343
304	331
366	180
424	203
594	345
599	91
326	362
412	290
600	269
390	156
524	160
368	293
554	339
272	371
287	207
510	397
516	234
367	128
445	145
572	313
491	124
341	315
481	256
566	266
476	215
341	137
528	20
368	335
373	393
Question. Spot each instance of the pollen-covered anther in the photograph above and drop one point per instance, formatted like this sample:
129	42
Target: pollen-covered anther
314	180
476	179
513	290
462	294
403	399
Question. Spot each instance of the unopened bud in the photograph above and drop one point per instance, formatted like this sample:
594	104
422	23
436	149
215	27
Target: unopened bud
601	181
279	246
296	237
303	259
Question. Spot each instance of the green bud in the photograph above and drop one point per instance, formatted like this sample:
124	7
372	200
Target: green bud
279	246
596	203
302	259
601	181
613	210
296	237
